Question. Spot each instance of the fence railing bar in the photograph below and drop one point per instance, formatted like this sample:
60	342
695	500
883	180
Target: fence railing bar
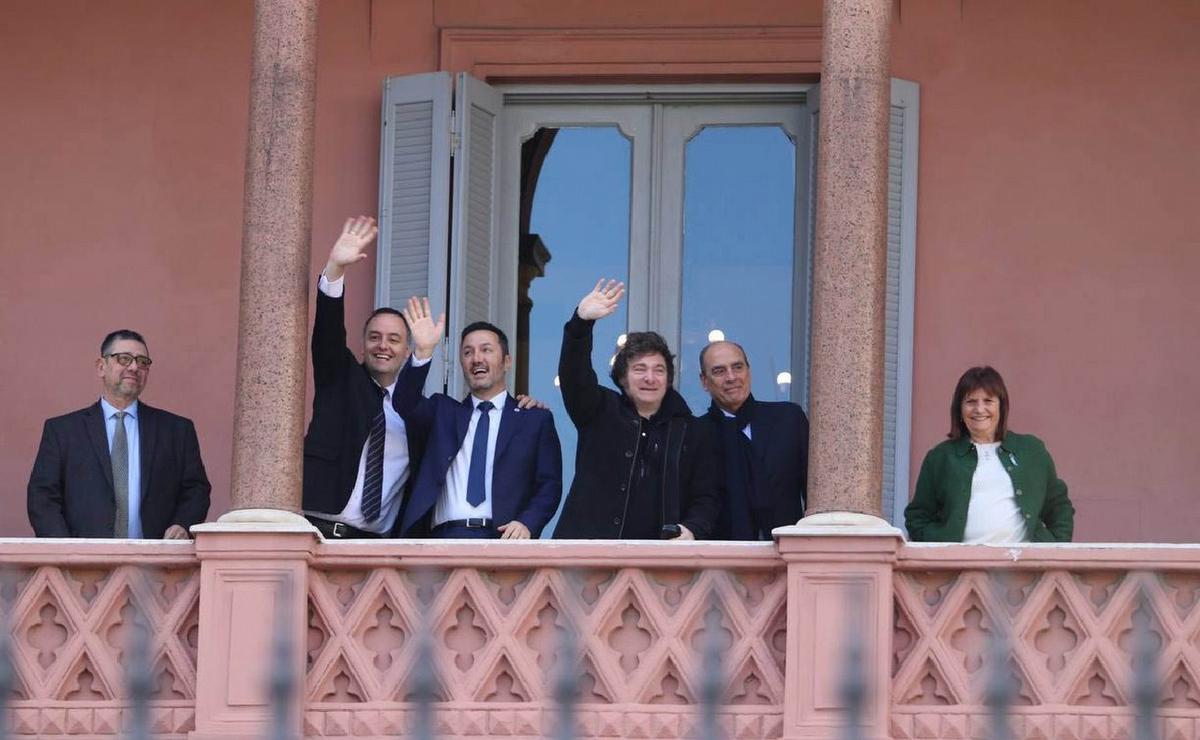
282	681
711	678
423	686
1145	683
139	671
998	693
7	670
568	664
854	686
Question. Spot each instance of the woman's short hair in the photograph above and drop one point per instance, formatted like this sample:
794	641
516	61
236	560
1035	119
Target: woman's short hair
638	344
978	378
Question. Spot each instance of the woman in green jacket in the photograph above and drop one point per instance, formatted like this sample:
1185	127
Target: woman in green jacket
986	484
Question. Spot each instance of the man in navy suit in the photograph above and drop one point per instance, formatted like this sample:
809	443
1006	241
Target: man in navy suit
764	446
491	469
118	468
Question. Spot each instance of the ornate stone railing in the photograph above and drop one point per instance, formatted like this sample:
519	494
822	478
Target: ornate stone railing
496	613
70	607
1070	612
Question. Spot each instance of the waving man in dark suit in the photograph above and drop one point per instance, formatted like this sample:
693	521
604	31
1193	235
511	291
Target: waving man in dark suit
118	468
492	468
357	450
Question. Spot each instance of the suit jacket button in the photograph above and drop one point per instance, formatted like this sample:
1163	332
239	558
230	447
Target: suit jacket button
622	486
628	453
617	520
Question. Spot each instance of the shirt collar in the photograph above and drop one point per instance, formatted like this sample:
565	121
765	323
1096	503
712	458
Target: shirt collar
390	390
109	409
963	445
497	400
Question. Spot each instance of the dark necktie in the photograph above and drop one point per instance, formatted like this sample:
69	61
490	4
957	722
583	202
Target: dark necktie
120	471
476	487
372	500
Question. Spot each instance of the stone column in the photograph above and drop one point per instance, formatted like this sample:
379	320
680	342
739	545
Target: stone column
268	424
850	260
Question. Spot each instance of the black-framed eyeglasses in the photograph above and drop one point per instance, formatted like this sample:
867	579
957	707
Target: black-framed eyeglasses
124	358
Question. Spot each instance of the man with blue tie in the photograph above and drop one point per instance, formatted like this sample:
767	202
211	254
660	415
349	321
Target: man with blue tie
491	468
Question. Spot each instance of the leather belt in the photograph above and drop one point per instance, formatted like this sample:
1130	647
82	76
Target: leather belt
473	523
340	531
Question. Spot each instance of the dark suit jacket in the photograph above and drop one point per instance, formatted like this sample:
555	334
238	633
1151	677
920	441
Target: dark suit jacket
526	469
345	402
71	493
779	443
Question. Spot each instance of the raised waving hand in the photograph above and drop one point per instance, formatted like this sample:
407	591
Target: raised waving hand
357	234
426	332
602	301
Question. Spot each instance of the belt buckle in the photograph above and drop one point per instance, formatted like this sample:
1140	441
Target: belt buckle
476	523
339	530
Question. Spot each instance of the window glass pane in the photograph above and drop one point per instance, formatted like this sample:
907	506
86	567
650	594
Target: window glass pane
738	251
578	232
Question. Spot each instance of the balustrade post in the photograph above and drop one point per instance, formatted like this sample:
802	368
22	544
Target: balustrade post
839	571
253	584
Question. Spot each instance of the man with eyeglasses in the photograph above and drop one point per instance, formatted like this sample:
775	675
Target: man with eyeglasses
118	468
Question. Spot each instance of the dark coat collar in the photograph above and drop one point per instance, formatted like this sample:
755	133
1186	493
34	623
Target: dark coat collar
673	405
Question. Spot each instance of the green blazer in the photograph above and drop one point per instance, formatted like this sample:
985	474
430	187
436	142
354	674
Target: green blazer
938	511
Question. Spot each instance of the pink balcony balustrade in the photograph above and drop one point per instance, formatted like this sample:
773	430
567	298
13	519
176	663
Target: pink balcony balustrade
496	613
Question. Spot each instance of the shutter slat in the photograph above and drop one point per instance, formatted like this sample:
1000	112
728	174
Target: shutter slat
414	193
474	237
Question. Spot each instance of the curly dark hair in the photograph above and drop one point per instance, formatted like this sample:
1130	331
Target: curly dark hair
639	344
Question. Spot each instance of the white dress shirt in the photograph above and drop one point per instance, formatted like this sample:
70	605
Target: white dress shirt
992	514
133	440
452	503
395	455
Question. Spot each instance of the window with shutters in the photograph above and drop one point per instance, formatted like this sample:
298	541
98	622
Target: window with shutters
507	204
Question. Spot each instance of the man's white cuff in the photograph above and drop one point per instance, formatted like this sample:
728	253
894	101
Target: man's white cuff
332	288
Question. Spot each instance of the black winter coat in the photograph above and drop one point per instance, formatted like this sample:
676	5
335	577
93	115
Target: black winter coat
609	426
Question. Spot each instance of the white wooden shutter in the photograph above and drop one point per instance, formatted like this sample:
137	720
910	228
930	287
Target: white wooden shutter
414	196
473	254
901	279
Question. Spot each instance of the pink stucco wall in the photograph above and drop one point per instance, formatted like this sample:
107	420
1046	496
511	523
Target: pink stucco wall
1055	214
1058	236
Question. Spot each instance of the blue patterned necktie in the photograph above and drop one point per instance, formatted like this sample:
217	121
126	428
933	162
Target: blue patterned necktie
372	500
476	487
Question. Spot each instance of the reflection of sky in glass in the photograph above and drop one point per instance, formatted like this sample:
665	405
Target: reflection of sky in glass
739	207
581	212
